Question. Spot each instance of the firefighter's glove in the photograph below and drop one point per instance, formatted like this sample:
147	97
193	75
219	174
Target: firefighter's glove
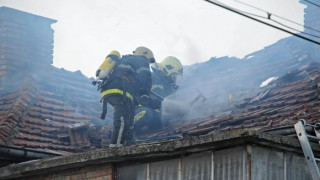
144	100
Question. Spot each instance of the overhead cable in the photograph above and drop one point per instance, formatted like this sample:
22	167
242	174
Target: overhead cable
312	3
254	7
294	29
269	18
268	24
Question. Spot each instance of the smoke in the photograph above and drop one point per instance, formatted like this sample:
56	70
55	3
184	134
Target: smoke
173	110
218	85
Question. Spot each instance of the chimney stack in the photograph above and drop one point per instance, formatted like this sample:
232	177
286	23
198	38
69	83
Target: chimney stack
26	44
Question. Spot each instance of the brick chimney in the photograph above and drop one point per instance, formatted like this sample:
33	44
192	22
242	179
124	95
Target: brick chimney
26	44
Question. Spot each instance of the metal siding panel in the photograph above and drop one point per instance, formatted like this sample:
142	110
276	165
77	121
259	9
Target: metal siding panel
297	168
267	164
136	172
230	164
197	167
164	170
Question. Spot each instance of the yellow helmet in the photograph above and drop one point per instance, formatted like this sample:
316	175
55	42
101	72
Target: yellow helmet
171	65
143	51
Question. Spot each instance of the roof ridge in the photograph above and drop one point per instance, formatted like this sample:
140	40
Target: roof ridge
9	124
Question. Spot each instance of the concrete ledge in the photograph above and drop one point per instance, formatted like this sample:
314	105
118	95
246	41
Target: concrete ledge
151	151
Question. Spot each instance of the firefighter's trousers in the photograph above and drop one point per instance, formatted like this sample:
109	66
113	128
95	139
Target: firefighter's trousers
122	133
147	120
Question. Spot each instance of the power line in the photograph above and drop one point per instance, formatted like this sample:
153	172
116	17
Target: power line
268	24
295	29
277	15
268	18
312	3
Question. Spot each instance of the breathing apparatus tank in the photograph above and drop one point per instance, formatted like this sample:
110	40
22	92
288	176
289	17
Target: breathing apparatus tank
107	66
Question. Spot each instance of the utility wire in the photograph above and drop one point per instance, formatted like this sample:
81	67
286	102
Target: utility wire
277	15
294	29
312	3
268	24
268	18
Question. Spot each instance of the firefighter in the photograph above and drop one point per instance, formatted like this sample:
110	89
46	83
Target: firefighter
164	79
127	83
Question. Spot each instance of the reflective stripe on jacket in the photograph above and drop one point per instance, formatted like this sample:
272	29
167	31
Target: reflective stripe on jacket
115	91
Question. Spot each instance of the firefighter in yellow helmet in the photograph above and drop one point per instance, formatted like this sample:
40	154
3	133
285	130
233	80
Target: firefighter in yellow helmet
126	80
164	83
143	51
164	78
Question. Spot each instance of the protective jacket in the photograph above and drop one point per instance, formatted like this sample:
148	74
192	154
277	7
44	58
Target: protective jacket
131	77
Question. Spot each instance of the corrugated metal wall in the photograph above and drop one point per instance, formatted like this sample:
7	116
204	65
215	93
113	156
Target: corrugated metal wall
239	163
197	166
134	172
267	164
164	170
297	168
230	164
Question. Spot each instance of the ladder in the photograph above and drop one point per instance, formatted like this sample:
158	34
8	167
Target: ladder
307	150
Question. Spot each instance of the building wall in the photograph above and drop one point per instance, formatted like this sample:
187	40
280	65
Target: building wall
241	163
219	156
95	172
218	165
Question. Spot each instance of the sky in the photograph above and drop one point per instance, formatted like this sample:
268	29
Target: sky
191	30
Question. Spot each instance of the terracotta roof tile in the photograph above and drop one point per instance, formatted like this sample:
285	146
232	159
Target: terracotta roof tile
5	131
53	117
52	102
39	127
39	119
35	138
61	113
45	123
2	137
27	130
6	106
9	97
41	146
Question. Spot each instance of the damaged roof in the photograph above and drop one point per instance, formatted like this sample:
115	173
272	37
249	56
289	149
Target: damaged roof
48	109
42	107
34	118
277	108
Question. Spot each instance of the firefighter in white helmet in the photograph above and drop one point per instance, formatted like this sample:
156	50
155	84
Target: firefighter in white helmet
164	78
